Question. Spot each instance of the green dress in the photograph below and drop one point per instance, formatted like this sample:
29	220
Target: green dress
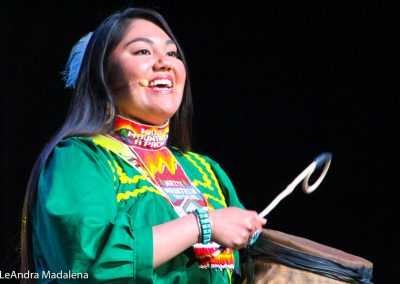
94	214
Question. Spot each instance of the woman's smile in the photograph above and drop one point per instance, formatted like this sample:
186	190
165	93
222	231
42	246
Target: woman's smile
162	84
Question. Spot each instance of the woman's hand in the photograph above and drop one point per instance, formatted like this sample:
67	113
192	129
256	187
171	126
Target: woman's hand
232	227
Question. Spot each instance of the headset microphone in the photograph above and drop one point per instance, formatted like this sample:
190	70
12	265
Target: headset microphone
142	83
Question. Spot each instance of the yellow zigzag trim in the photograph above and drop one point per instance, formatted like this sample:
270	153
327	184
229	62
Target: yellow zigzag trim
207	182
209	196
123	178
112	170
114	146
136	192
196	182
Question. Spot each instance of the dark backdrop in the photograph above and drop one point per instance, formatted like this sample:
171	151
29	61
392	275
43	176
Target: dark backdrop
274	82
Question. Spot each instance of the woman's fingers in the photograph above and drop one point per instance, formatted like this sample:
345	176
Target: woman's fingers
256	223
233	227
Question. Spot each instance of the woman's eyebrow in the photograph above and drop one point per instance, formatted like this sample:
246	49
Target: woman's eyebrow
170	41
149	41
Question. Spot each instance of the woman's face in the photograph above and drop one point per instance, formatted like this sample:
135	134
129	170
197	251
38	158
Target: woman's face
146	52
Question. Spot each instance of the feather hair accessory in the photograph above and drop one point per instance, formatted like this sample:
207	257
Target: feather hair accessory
71	71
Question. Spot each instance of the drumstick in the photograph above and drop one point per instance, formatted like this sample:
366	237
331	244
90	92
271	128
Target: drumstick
322	159
319	161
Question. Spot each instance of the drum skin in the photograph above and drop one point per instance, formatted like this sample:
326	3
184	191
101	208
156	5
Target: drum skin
263	264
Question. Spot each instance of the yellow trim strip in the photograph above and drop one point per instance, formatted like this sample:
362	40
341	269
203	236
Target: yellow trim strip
136	192
229	275
123	177
114	146
126	154
205	177
206	181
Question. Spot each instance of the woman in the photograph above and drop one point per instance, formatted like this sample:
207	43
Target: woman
116	193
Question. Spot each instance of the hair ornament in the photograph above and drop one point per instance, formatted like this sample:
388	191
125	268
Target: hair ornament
71	71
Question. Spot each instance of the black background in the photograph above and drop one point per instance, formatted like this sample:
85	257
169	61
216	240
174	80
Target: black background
275	82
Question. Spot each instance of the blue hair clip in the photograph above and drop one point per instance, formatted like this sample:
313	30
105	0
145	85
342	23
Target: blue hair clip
71	71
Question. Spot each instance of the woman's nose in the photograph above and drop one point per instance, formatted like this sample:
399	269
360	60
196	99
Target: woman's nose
162	63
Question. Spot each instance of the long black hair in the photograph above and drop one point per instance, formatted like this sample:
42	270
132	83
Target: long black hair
92	99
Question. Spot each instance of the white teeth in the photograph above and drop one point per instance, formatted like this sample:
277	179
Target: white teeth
164	82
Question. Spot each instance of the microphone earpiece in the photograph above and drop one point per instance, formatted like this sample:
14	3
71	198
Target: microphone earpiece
143	83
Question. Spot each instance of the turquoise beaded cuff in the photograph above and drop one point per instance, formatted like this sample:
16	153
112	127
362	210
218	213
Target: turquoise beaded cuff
204	222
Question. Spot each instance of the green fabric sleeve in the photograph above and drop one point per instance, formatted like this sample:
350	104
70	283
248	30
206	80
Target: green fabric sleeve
77	225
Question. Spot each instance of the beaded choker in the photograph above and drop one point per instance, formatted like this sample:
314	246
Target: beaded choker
140	135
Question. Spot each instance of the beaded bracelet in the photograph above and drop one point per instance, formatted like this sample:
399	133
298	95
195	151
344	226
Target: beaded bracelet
204	223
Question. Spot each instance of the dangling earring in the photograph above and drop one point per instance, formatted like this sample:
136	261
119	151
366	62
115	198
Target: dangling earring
110	113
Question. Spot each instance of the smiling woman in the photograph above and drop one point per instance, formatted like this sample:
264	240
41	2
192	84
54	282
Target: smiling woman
116	193
147	53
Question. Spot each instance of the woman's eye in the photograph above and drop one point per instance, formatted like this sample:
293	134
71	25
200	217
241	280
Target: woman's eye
142	52
172	53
